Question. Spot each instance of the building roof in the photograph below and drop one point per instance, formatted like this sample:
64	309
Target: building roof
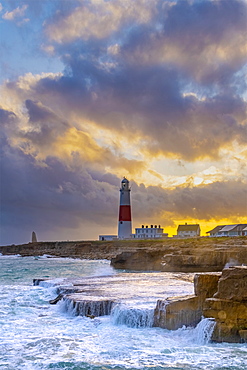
125	180
216	229
228	228
188	227
245	229
237	227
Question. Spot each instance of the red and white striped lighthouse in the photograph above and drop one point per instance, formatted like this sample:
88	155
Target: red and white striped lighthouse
124	221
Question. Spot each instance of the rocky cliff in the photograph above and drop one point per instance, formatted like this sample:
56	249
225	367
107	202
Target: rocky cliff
188	255
221	298
184	255
228	306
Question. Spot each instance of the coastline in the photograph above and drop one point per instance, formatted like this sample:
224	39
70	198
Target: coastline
173	255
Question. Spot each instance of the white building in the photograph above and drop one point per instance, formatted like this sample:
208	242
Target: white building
228	230
152	232
107	237
232	230
188	231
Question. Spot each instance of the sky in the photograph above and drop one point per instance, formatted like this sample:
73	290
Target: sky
94	90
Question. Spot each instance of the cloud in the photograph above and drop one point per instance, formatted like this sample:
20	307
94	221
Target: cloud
35	197
138	91
205	40
221	199
16	13
150	107
67	201
97	19
143	83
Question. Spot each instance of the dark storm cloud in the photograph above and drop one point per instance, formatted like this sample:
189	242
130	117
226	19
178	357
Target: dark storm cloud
196	47
222	199
206	40
6	117
142	87
150	104
166	76
45	124
35	197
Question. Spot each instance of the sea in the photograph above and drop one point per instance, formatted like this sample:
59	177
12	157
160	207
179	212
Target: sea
36	335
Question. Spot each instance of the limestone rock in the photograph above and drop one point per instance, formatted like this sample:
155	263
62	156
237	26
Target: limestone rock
175	312
228	307
233	284
243	335
138	260
88	305
206	285
230	317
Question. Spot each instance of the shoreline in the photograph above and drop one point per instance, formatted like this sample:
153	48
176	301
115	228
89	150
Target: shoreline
167	255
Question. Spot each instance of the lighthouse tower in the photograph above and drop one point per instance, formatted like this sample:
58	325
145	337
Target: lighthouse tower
124	222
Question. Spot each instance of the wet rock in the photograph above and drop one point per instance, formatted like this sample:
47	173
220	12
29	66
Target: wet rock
206	285
57	299
228	307
175	312
88	306
221	297
233	284
38	281
243	336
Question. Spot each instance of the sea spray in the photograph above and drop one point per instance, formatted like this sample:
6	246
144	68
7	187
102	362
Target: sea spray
89	306
38	336
203	331
132	317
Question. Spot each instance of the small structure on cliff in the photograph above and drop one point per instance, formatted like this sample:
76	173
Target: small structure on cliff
34	237
188	231
228	230
152	232
107	238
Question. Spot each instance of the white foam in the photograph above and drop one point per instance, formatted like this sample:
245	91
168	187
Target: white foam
132	317
36	335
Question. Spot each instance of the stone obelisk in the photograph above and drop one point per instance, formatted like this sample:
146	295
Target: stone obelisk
34	237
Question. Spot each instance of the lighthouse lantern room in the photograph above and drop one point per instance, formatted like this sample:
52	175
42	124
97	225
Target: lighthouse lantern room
124	222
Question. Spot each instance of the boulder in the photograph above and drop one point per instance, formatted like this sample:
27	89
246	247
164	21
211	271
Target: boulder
230	317
221	297
175	312
88	305
206	285
233	284
228	306
139	260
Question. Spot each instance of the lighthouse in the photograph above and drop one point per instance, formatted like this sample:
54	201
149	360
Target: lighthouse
124	221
